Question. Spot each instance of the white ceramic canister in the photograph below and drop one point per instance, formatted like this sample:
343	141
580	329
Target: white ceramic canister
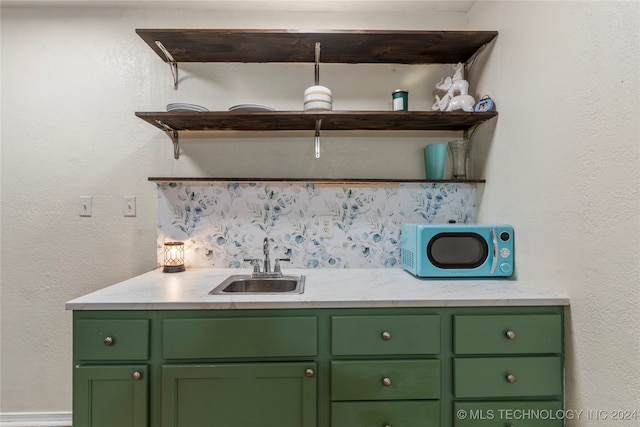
318	98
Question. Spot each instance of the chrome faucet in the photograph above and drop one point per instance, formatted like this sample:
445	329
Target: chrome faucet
265	251
266	273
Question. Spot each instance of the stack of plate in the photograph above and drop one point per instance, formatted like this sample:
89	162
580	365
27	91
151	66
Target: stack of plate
318	98
177	107
245	108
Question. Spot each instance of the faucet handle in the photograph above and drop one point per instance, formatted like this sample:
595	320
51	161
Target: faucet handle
276	267
255	263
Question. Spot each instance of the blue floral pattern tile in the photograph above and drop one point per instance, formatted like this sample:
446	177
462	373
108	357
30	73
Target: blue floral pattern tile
224	223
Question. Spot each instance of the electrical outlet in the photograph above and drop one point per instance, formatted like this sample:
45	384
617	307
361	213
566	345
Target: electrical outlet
85	206
129	206
451	219
325	223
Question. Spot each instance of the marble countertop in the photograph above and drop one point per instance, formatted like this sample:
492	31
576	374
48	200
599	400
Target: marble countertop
325	288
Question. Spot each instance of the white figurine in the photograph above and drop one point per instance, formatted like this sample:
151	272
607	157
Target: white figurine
450	86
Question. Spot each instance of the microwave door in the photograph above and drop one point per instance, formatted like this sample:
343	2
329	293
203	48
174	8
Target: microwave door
494	241
458	250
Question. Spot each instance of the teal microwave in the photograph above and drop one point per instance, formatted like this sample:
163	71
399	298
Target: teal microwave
457	250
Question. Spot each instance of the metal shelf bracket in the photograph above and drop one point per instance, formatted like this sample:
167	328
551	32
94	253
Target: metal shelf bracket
173	135
172	64
317	82
317	137
317	67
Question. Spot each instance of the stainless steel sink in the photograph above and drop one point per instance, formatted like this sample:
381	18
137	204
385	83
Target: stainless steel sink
248	284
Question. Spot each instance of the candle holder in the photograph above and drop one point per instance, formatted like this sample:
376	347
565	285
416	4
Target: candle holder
173	257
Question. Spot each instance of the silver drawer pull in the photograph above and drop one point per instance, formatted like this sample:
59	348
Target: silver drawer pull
510	335
136	376
386	382
309	372
386	336
511	378
108	341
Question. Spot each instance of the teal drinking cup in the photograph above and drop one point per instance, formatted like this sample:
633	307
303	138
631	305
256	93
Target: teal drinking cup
435	156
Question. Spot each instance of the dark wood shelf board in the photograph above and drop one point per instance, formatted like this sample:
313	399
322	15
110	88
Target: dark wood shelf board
300	120
390	47
336	181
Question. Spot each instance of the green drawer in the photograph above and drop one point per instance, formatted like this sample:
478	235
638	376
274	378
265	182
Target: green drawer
508	334
239	337
489	377
504	414
111	339
385	379
377	414
373	335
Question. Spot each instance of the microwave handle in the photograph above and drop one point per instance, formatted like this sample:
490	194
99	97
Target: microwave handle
494	261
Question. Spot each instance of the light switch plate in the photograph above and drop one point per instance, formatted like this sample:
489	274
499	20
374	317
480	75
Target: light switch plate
129	206
85	206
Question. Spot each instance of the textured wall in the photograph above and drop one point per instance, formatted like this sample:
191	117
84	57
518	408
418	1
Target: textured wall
561	163
564	166
72	79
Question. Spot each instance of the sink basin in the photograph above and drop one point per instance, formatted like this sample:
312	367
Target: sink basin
246	284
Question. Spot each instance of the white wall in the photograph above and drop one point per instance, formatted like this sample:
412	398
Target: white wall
564	167
72	79
561	163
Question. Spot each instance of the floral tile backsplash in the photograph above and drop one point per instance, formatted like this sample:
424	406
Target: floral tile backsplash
224	223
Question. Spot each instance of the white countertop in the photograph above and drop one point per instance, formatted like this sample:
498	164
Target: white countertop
325	288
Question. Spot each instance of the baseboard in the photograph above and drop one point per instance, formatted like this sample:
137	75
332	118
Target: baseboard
35	419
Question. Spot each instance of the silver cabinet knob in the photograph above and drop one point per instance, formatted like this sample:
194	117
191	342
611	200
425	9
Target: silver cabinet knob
136	376
510	335
511	378
309	372
108	341
386	382
386	336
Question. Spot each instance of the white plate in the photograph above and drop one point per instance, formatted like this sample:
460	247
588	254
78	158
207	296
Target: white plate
251	107
178	106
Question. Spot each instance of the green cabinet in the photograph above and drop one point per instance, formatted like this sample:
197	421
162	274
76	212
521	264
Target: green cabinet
508	369
379	414
108	389
112	339
377	335
239	337
508	334
508	376
330	367
243	394
107	396
506	413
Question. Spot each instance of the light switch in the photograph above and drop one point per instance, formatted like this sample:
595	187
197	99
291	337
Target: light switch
85	206
129	206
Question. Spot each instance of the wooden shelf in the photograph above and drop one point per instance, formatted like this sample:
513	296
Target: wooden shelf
335	181
350	47
304	120
381	47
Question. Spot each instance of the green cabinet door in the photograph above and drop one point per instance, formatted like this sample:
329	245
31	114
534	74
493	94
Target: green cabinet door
107	396
508	334
239	395
501	414
507	377
379	334
385	379
414	413
239	337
